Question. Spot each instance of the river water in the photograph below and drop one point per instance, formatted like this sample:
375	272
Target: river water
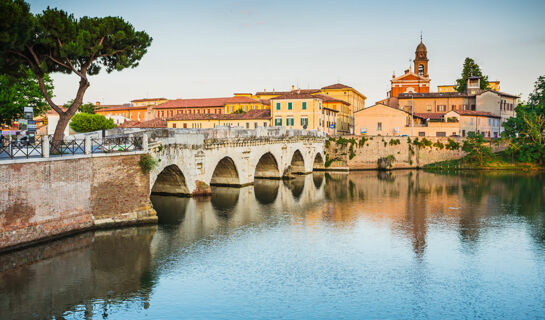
394	245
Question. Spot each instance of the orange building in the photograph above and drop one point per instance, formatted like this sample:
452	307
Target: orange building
417	81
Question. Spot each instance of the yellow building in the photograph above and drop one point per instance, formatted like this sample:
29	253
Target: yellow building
356	100
298	111
249	120
242	102
494	85
345	112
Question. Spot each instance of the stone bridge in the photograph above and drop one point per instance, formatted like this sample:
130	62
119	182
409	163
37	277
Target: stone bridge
192	160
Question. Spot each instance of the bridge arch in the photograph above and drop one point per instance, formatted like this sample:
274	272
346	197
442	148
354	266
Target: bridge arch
319	163
267	167
171	181
225	173
297	163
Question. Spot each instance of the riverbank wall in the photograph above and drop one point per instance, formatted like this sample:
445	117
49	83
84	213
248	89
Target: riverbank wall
364	152
45	198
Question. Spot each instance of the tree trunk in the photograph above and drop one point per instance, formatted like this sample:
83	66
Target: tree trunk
64	118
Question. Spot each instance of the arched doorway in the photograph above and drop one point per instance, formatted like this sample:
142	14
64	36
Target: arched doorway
318	162
297	163
170	181
225	174
267	167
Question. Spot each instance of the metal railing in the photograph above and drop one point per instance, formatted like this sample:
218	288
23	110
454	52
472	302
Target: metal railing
69	147
21	149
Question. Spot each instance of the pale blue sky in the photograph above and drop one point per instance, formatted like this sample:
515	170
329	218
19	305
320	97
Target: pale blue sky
215	48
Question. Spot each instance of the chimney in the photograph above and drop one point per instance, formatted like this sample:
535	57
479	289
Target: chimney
292	87
97	103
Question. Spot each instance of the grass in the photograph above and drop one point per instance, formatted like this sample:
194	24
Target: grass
500	161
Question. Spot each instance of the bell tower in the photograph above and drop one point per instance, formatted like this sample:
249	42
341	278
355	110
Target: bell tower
421	59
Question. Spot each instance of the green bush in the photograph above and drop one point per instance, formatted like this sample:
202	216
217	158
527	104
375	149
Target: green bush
452	145
147	163
87	122
476	150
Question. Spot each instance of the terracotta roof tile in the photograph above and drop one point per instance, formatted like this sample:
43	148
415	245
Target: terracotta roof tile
327	98
476	113
337	86
148	99
250	115
279	93
240	99
193	103
296	95
430	115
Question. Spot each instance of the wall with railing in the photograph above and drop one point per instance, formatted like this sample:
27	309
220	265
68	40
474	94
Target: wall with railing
90	144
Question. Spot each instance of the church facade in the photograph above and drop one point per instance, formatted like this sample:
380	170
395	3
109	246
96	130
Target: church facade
414	80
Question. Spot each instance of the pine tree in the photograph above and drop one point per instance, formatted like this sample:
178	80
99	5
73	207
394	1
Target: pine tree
471	69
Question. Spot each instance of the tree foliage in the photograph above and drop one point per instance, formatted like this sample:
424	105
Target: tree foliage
88	108
525	132
87	122
56	41
471	69
476	149
17	93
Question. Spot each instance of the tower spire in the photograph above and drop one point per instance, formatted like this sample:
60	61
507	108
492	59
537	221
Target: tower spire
420	35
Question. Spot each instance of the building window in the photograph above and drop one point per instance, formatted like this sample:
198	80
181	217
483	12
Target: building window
304	105
247	125
289	122
379	126
421	134
278	106
304	122
290	105
429	108
453	107
441	108
255	124
278	121
441	134
264	124
231	109
244	108
174	125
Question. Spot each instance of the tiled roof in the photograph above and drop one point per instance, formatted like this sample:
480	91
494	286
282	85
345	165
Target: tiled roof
155	123
240	99
296	95
429	115
266	102
250	115
433	95
337	86
476	113
113	107
193	103
150	99
327	98
309	91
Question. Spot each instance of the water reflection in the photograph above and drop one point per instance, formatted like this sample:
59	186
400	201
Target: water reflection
338	237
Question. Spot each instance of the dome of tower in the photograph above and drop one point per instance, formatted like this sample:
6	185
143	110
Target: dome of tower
421	47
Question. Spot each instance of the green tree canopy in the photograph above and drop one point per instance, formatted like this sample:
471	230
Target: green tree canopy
55	41
471	69
525	132
17	93
87	122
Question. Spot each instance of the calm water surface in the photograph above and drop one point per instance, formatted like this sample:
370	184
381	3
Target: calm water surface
399	245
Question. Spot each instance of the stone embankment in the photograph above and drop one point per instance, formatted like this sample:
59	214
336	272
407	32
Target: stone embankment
41	199
377	152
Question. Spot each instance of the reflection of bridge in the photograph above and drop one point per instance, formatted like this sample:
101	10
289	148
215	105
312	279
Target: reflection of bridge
190	162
